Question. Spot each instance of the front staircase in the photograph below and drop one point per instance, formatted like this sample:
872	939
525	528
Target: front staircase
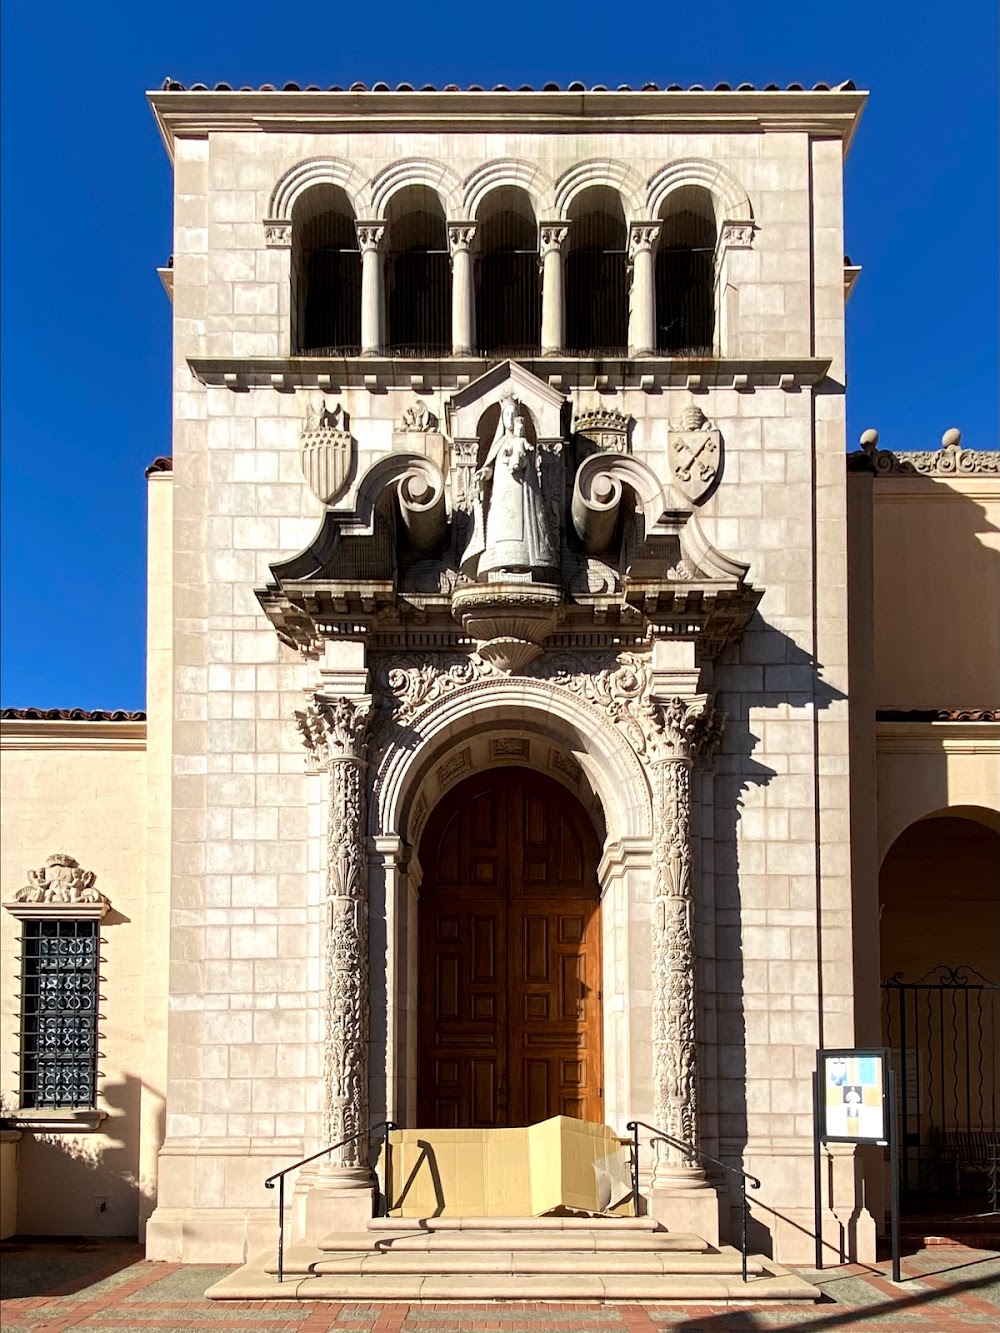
516	1258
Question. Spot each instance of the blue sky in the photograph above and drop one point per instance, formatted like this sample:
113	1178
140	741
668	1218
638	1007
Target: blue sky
86	194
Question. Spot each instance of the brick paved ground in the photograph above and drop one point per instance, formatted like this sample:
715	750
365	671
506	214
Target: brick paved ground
107	1287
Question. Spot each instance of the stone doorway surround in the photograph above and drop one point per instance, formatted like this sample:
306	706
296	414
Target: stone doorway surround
596	724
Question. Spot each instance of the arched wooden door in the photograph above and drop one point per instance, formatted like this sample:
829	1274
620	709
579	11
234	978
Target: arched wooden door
510	956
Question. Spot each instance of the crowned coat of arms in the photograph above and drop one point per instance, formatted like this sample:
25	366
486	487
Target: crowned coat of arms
694	454
327	451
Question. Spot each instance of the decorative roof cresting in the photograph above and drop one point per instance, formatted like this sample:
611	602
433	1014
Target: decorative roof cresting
950	460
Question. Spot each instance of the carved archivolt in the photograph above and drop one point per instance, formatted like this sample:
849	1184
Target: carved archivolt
606	171
732	203
436	176
508	172
316	171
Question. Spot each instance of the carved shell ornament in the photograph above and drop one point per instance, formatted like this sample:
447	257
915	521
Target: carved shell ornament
694	452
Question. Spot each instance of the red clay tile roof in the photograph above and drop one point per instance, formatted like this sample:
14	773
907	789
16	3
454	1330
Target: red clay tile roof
172	86
938	715
161	464
70	715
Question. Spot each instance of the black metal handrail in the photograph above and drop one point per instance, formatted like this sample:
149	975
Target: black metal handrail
690	1150
385	1125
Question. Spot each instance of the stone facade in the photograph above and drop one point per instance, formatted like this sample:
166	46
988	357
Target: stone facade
685	672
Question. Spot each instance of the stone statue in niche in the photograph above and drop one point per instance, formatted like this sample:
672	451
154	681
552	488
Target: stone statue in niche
513	531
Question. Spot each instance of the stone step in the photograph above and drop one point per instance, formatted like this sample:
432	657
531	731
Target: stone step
454	1262
390	1224
774	1284
515	1238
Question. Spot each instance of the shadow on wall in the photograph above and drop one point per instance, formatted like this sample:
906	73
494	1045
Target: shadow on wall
936	586
85	1183
766	681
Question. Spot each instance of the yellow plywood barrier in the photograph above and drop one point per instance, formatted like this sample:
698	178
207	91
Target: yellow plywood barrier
558	1163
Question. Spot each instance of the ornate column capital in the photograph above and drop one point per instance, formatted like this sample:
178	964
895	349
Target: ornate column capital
642	236
370	235
461	236
684	729
333	728
277	233
736	236
551	236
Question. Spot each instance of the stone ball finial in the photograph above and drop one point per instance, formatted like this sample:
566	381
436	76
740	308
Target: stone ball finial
952	438
869	439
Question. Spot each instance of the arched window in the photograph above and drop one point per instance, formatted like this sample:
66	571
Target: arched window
685	274
509	295
596	283
417	274
326	274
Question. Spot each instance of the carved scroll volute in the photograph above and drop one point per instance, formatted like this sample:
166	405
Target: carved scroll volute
681	731
422	505
597	497
335	734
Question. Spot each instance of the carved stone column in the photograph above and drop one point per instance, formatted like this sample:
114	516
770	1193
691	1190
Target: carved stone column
642	306
334	731
684	730
463	291
370	236
551	238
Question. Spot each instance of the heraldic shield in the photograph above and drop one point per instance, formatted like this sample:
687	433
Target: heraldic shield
695	454
327	452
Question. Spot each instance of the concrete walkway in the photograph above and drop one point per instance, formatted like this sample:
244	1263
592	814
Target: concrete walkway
107	1287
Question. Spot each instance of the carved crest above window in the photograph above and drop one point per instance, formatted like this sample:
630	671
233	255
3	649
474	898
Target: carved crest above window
60	888
605	429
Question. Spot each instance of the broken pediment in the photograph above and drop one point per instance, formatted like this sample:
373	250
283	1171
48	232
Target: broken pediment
513	534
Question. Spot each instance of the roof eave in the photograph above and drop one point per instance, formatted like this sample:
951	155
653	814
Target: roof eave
198	113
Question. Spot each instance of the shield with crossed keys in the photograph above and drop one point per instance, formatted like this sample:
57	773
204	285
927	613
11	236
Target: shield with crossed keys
695	456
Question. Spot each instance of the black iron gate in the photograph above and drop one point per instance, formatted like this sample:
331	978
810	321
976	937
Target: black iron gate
942	1031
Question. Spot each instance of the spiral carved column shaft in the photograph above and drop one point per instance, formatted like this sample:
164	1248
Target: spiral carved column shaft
685	730
335	732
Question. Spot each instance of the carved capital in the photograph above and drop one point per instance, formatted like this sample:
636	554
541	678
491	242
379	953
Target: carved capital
370	235
736	236
333	729
277	234
551	236
461	236
684	729
642	237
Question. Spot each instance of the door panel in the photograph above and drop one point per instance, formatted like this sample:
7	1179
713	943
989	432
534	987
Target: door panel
510	964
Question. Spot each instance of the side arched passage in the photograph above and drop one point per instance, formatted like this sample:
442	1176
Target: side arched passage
939	904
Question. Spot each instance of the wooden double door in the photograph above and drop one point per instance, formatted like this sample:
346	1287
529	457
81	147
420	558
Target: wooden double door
510	956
